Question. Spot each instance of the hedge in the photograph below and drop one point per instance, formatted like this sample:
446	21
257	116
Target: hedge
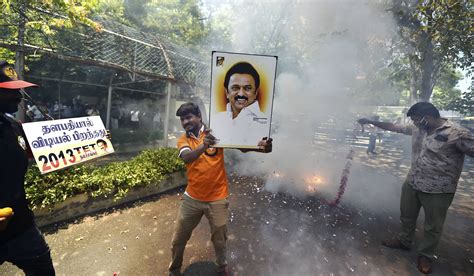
113	179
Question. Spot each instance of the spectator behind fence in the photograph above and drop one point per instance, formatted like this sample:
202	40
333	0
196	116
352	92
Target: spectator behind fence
115	115
157	120
34	113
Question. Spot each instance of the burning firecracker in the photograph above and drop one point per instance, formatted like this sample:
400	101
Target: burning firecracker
344	178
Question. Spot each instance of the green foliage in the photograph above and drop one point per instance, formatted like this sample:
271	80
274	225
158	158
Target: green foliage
38	20
434	36
7	55
464	104
114	179
445	93
49	13
110	8
179	20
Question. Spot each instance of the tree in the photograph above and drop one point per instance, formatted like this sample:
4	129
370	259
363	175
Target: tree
112	9
28	21
434	35
464	104
33	20
445	93
180	20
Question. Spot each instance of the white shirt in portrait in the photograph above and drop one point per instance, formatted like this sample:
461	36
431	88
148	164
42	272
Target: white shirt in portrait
247	129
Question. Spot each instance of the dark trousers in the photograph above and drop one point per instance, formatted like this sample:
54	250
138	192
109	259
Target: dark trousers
435	207
371	146
29	252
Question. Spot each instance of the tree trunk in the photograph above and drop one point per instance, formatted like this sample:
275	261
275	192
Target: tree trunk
413	81
427	65
428	74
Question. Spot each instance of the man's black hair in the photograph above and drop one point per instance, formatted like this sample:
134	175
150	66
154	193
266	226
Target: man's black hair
423	109
242	68
188	108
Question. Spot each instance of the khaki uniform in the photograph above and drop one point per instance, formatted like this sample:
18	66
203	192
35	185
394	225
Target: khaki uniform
437	162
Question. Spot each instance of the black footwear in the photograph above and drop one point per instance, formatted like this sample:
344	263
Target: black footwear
424	264
395	244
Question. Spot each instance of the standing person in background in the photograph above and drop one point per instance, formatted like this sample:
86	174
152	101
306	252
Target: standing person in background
135	119
67	110
438	150
36	113
207	190
373	131
21	242
115	115
379	134
157	120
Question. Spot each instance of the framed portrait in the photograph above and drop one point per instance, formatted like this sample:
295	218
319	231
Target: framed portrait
241	101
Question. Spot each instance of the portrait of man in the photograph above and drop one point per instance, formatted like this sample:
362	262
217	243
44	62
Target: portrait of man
243	122
220	61
242	85
102	144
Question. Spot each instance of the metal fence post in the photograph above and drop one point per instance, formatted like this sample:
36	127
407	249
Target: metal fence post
167	114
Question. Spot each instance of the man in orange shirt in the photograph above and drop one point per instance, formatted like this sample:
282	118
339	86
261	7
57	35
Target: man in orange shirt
207	189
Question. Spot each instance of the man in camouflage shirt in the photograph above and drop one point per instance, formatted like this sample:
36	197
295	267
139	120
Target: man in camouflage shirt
438	150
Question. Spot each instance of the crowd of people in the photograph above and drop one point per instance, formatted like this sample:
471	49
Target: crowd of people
121	116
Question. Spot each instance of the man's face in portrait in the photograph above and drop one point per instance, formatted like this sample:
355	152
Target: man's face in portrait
102	145
241	92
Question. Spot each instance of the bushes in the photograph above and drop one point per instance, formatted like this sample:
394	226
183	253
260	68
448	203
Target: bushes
114	179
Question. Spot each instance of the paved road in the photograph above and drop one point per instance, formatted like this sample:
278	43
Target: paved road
269	234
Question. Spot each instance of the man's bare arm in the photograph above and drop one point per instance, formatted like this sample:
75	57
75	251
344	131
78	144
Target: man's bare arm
382	125
190	156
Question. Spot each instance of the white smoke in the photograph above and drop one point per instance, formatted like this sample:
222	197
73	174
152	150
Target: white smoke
328	50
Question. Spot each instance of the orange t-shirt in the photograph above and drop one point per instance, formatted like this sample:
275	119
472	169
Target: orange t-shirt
207	179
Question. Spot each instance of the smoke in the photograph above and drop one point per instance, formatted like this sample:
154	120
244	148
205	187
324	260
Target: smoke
329	51
331	56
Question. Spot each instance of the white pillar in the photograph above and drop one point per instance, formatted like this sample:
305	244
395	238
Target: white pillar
109	103
167	114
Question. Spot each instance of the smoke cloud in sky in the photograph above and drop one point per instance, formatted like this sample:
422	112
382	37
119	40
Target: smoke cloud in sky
327	52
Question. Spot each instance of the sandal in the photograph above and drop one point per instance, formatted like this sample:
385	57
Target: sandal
424	264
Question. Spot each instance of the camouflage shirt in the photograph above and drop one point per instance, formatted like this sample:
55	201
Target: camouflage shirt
437	159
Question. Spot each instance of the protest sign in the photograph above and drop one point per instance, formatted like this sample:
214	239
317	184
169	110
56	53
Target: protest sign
61	143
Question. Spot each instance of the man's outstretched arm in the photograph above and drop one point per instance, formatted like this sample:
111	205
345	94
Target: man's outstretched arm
384	125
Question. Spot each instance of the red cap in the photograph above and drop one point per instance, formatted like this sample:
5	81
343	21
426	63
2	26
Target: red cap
9	77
